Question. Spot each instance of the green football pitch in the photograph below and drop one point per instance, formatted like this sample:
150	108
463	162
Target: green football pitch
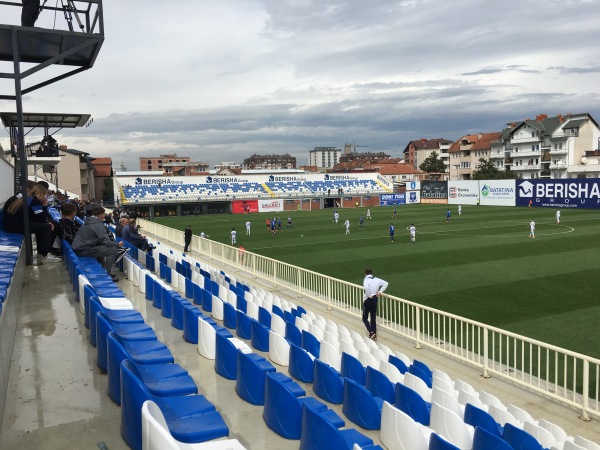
482	265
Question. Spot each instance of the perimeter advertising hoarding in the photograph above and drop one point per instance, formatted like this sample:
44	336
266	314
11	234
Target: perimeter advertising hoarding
434	192
413	197
572	193
463	192
244	206
270	205
392	199
497	192
413	186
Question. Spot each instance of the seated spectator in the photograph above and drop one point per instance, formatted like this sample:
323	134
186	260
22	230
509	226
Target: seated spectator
92	240
38	223
130	234
119	228
67	222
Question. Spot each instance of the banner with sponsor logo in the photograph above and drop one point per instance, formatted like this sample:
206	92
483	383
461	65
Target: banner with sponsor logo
571	193
497	192
413	197
392	199
463	192
270	205
413	186
434	192
244	206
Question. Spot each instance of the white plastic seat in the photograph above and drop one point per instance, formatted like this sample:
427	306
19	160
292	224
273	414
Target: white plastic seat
349	348
442	375
156	434
206	339
417	385
386	350
366	359
400	431
557	432
586	443
502	416
115	303
568	445
402	357
217	308
447	400
277	324
135	275
520	414
302	324
252	310
330	355
311	315
451	427
489	399
467	397
316	331
543	436
460	385
306	318
359	345
444	385
223	292
377	353
279	349
331	339
392	372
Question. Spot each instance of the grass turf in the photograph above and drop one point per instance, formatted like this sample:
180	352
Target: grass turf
482	265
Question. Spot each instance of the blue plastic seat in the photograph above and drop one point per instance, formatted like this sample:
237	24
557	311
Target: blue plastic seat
229	316
277	310
438	443
520	439
243	327
380	385
311	344
352	368
293	334
207	301
190	323
164	380
477	417
166	308
283	405
225	357
264	317
179	305
327	383
115	316
361	407
142	352
301	364
251	374
197	294
398	363
484	440
412	404
319	433
418	372
191	418
259	338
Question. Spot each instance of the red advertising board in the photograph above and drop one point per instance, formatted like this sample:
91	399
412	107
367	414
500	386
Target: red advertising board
244	206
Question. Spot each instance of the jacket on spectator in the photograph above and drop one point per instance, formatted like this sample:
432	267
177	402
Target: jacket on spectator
69	229
128	234
92	234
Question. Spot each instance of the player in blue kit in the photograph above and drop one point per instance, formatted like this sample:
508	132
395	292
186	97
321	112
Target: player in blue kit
392	231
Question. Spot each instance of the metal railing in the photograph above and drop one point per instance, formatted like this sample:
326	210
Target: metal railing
565	376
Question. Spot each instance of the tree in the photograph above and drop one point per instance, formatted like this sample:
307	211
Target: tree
486	170
433	164
108	191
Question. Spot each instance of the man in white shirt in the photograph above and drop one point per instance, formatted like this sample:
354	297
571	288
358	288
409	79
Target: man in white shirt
413	233
373	287
336	217
532	229
233	236
347	224
248	228
368	214
557	216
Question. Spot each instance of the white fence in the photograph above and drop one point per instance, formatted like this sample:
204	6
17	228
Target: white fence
560	374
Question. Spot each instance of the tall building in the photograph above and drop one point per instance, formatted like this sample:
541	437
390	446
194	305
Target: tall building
550	147
155	163
269	162
466	152
324	157
417	151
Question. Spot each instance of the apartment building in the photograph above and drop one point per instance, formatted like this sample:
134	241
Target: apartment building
464	153
417	151
324	157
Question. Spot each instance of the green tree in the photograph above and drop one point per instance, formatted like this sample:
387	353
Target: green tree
486	170
108	191
433	164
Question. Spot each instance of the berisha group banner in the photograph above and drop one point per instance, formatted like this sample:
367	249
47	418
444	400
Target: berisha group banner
434	192
571	193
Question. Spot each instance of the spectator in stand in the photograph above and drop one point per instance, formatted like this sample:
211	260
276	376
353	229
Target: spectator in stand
119	228
67	222
131	235
92	240
38	223
187	238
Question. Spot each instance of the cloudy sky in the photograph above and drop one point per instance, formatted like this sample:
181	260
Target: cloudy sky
218	81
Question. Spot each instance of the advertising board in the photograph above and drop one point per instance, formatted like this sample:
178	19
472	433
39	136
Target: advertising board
244	206
392	199
434	192
571	193
463	192
497	192
270	205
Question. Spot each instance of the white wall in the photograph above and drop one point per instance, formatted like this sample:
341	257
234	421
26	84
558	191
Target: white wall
7	175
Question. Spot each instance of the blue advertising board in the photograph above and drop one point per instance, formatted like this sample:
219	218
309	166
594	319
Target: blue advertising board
571	193
392	199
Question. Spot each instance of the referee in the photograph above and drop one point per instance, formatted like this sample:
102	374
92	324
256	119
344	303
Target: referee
373	287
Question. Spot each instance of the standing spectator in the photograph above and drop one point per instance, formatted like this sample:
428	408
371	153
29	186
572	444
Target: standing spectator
92	240
67	222
392	232
233	236
373	288
187	238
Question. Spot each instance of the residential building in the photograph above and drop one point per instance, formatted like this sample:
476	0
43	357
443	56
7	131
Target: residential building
269	162
324	157
368	156
464	153
155	163
184	169
103	174
550	147
417	151
228	165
